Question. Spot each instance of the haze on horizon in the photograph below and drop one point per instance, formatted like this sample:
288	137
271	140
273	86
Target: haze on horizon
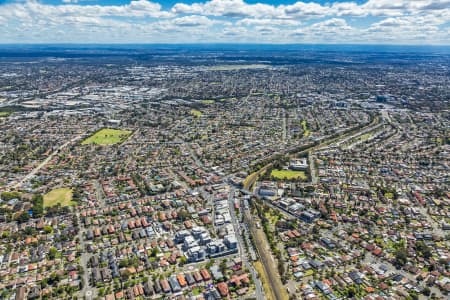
419	22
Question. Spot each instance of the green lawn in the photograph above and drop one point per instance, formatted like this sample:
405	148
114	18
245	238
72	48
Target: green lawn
4	114
62	196
196	291
306	131
288	174
273	219
228	99
365	137
389	195
208	102
108	136
196	113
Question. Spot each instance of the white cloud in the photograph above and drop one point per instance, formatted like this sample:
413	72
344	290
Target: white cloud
301	9
227	20
331	24
227	8
277	22
193	21
408	26
328	31
349	9
138	8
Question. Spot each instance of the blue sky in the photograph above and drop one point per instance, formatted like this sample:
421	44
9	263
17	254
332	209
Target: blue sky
420	22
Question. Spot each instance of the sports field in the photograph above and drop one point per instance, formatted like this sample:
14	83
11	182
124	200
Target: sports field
63	196
107	136
288	174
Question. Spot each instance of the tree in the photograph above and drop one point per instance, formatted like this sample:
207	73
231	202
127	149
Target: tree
52	253
183	215
281	270
423	249
23	217
223	266
54	278
210	263
48	229
124	263
351	292
155	251
183	260
401	257
38	205
6	196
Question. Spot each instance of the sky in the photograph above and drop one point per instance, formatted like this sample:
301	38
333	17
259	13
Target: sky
405	22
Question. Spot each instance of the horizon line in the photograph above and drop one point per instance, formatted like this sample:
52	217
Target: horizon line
224	43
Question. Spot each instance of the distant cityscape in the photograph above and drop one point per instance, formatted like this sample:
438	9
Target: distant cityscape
224	172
